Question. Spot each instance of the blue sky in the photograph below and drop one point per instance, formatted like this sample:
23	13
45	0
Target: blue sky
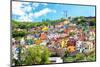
36	12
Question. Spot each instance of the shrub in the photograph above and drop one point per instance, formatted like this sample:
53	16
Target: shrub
79	56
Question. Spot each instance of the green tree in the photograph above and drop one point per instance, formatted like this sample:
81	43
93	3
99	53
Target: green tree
35	55
16	33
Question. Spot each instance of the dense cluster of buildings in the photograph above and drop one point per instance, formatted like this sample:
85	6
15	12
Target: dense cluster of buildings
58	38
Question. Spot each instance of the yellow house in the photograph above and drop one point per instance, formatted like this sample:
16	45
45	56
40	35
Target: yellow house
45	28
38	41
62	43
66	21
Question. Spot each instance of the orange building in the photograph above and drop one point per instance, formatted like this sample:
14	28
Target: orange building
43	36
71	48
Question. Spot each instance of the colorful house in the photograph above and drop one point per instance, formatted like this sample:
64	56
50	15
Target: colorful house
71	49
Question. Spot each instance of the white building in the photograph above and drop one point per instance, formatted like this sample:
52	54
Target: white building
55	59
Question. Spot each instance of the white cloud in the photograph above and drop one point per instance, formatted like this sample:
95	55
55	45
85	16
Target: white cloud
35	4
45	4
25	18
20	9
27	8
30	16
16	8
43	12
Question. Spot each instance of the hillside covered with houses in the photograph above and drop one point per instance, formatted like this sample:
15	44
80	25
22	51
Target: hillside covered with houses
71	39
